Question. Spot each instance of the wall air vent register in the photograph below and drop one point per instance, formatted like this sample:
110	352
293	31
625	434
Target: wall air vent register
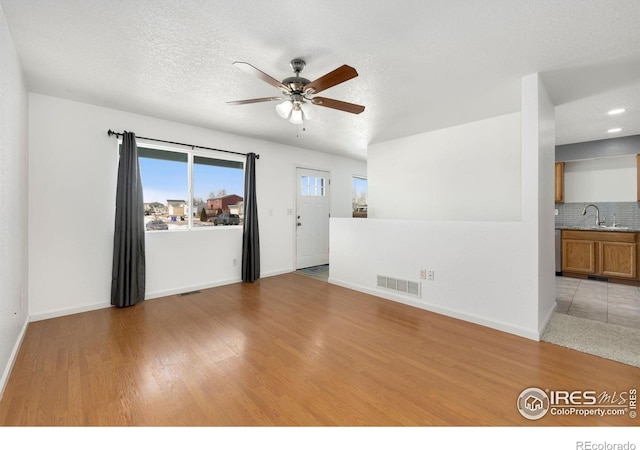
404	286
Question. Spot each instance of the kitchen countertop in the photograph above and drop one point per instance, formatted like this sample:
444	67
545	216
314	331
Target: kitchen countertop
594	228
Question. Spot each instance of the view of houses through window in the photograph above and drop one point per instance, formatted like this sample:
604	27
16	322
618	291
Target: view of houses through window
218	189
360	191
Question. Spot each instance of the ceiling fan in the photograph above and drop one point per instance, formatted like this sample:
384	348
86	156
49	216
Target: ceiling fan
298	92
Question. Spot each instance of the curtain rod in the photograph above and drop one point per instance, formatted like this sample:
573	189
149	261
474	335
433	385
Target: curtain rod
113	133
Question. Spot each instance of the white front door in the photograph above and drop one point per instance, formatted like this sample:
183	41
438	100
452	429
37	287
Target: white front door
312	221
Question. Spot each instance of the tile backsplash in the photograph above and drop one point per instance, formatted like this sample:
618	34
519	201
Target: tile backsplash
570	214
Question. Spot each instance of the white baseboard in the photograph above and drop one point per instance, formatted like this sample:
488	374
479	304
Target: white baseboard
496	325
546	320
182	290
148	296
274	273
68	311
12	359
185	289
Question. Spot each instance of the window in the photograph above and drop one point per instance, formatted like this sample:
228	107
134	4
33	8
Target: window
312	186
359	194
186	190
218	186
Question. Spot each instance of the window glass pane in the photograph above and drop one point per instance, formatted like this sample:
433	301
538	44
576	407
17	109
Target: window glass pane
360	192
218	187
164	185
312	186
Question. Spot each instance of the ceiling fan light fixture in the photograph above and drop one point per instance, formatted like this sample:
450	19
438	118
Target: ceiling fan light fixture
284	109
299	106
296	116
307	110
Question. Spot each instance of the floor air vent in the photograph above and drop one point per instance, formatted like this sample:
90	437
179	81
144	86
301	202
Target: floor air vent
189	293
395	284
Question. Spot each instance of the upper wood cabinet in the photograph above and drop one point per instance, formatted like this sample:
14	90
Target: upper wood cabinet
560	181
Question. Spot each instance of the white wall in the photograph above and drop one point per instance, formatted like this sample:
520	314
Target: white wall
610	179
461	173
72	179
538	149
13	204
481	273
486	263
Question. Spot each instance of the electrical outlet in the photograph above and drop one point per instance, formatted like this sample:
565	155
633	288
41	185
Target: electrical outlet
423	274
235	261
431	275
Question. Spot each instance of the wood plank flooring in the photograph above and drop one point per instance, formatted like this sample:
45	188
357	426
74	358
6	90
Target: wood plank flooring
288	351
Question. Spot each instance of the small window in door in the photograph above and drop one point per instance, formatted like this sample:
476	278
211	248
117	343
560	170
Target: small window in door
312	186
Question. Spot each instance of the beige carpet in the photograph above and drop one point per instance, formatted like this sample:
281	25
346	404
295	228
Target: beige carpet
609	341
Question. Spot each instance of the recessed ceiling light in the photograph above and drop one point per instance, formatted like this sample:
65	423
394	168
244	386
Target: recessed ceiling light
614	130
616	111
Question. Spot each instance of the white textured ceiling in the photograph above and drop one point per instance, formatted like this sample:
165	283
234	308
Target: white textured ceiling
422	64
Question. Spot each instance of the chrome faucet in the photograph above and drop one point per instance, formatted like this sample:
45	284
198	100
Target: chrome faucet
598	221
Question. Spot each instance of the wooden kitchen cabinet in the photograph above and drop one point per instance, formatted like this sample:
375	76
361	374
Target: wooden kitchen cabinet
609	254
578	256
617	259
559	189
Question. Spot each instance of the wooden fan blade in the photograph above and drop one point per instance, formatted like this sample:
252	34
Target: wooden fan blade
340	75
337	104
255	100
251	70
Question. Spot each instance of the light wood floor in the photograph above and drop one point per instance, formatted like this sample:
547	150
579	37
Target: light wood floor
288	350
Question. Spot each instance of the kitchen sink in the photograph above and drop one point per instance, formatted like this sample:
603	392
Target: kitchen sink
610	227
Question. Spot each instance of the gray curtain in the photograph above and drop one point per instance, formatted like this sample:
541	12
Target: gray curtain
250	234
128	276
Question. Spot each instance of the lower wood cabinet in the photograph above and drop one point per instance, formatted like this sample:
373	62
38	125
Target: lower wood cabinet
603	253
617	259
578	256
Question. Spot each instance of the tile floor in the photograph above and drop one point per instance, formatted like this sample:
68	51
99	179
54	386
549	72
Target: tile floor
598	300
